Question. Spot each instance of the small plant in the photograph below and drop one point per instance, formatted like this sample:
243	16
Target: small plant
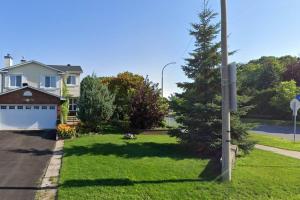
66	131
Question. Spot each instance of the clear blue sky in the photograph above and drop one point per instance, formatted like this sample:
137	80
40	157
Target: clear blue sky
111	36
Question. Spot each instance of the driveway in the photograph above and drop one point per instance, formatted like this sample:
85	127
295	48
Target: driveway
23	159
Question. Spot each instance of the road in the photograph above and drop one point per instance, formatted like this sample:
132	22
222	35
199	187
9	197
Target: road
24	157
281	131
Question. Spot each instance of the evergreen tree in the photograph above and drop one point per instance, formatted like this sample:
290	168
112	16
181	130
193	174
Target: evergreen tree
95	103
198	108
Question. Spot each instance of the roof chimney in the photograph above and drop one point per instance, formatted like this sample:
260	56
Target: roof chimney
8	60
23	59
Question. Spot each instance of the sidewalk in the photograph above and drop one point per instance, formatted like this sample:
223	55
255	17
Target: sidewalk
50	180
289	153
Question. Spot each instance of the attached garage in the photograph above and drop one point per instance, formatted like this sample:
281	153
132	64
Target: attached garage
28	117
28	109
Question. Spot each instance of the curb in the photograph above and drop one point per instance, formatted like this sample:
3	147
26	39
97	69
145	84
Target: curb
49	184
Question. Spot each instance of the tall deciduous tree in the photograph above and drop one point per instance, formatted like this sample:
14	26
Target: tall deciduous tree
292	72
285	92
147	107
124	86
95	103
198	108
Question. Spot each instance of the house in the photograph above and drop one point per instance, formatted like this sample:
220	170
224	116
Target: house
31	93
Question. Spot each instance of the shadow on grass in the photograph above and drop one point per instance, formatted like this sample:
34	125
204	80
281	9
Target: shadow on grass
131	150
271	166
120	182
211	171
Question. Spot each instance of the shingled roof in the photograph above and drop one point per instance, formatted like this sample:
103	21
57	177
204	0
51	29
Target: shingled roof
65	68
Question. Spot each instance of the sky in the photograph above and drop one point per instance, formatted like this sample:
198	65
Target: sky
107	37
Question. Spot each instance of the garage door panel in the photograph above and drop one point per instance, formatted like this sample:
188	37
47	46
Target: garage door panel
34	118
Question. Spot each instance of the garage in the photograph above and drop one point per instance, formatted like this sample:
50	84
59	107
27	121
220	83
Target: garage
29	108
28	117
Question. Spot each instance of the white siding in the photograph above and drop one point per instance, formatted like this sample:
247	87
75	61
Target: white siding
33	74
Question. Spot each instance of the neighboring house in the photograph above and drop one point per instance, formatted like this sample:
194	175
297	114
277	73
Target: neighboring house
31	93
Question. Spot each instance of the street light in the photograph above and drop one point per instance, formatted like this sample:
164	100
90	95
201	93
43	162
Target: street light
162	77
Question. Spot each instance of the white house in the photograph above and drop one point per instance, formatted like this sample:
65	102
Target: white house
31	93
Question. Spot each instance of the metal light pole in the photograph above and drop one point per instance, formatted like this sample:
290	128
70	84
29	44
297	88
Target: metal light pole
226	140
162	77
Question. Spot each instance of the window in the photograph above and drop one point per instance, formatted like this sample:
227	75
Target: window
11	107
20	107
36	107
3	107
15	80
44	107
71	80
51	107
72	104
50	81
27	107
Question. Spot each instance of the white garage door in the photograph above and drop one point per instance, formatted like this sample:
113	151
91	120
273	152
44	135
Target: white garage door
27	117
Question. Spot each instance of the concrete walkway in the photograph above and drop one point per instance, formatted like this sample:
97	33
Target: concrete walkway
289	153
50	180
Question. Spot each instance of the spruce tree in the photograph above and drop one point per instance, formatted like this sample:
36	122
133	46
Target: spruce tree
198	108
95	103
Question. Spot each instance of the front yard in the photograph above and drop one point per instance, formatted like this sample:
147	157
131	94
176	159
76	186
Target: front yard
273	141
154	167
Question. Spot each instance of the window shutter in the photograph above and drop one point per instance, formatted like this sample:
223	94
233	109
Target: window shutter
42	82
24	80
58	81
6	80
77	80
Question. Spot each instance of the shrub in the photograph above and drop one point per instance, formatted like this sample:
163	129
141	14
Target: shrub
95	103
66	131
148	109
285	92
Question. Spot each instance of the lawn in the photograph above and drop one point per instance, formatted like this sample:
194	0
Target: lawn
275	122
274	141
155	167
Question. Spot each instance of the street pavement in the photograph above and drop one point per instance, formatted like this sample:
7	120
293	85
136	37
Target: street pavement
280	131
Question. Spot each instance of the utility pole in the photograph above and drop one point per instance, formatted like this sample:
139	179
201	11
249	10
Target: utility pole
162	77
226	139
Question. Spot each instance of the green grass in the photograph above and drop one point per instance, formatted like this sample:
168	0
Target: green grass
155	167
274	141
269	122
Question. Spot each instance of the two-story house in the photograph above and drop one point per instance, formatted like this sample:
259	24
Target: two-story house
31	93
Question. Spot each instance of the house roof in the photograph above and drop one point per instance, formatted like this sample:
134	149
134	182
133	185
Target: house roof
59	68
65	68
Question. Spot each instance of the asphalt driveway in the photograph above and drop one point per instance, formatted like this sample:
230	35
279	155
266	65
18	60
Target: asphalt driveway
24	157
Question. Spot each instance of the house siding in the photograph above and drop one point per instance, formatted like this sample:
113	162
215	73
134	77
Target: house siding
32	74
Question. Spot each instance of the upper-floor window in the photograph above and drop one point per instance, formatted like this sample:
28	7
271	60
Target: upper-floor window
15	80
50	81
71	80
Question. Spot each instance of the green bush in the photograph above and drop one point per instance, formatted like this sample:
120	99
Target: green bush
95	103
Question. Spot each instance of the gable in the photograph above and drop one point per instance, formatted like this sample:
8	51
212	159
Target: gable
32	68
31	63
28	95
